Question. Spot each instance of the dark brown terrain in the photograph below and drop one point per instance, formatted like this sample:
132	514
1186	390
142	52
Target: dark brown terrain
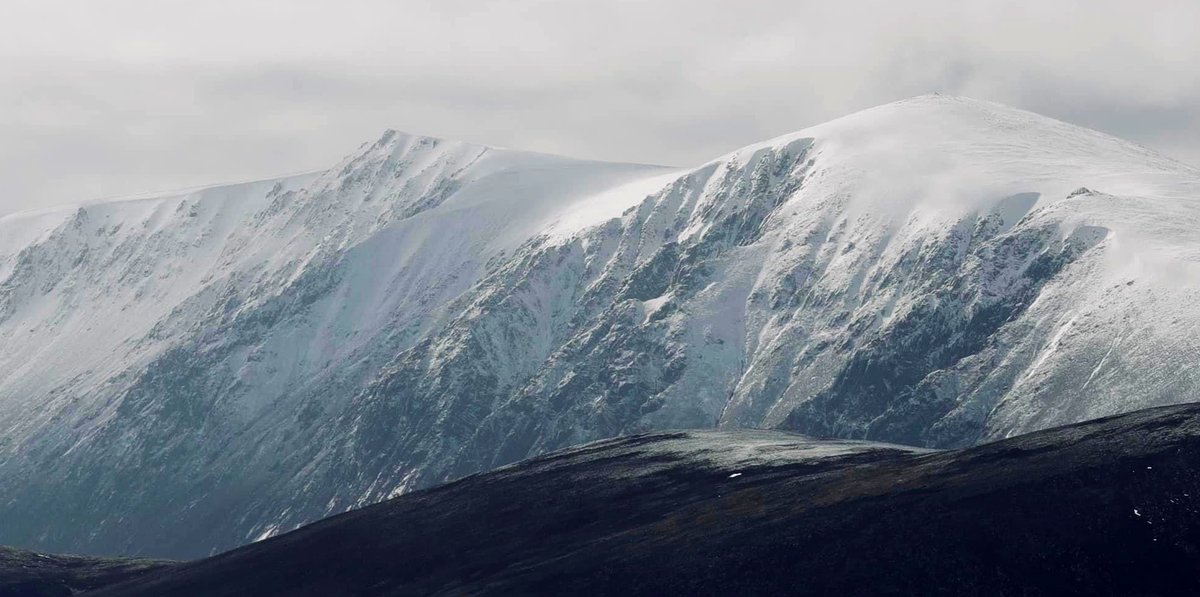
1107	507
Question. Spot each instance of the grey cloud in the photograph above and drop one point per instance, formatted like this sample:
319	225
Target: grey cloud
141	95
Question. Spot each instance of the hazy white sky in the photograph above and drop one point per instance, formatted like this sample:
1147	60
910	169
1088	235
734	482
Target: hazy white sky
122	96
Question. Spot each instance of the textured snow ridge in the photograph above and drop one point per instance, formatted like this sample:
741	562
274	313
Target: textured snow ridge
188	373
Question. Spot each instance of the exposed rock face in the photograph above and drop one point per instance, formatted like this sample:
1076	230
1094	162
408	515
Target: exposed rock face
185	374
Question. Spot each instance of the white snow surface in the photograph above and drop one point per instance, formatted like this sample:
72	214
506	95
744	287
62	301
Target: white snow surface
930	272
99	284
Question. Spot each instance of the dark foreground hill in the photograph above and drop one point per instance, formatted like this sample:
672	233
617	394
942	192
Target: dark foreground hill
29	574
1105	507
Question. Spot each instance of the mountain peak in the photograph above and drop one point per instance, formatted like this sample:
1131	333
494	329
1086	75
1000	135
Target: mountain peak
391	140
916	273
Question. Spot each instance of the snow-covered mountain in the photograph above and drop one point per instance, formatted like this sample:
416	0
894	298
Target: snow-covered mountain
186	373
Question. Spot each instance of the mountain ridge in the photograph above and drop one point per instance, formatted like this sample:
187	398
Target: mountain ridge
388	133
268	354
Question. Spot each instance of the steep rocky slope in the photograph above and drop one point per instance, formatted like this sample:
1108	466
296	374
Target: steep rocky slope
185	374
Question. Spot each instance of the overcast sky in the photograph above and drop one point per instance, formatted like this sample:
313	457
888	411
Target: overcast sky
109	98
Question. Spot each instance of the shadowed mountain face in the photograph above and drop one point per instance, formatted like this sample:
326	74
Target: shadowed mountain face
29	574
1105	507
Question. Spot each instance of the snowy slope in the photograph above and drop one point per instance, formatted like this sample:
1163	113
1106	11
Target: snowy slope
282	285
188	373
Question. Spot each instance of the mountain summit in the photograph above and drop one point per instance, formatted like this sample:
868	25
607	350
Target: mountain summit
188	373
